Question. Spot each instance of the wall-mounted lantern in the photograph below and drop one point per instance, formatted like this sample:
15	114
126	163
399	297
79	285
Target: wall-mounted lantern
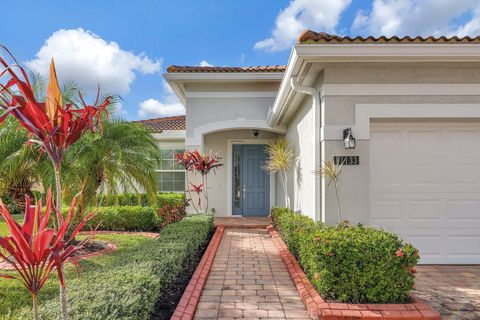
256	133
348	139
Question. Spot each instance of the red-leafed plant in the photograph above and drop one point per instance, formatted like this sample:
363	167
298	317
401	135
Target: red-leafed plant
203	163
34	250
172	213
198	189
53	124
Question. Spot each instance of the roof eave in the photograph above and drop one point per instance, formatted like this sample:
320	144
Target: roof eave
389	52
308	53
177	80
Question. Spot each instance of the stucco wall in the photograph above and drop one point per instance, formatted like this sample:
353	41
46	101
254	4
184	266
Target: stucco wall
202	111
301	179
340	112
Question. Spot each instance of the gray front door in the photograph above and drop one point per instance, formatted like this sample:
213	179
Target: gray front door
251	183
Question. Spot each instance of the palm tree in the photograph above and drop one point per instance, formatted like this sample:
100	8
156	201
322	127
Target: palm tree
123	157
18	163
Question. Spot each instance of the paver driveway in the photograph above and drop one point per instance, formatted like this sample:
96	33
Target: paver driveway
453	290
249	280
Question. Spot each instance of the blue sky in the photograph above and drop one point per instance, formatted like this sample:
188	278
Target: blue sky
126	45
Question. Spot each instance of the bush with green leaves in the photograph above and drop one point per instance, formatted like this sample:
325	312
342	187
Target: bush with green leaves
141	199
121	285
125	218
355	264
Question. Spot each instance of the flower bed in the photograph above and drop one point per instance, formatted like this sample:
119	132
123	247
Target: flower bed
300	232
125	284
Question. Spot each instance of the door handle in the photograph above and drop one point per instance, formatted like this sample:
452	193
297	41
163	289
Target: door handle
244	191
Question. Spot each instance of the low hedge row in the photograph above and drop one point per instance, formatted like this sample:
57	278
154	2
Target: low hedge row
142	199
125	218
127	283
355	264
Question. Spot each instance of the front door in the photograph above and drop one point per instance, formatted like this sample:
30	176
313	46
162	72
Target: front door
251	183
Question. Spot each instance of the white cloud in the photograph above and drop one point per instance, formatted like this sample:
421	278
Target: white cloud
204	63
170	106
418	17
321	15
85	58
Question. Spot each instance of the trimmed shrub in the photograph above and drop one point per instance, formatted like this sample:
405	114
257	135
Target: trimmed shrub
141	199
355	264
126	284
122	218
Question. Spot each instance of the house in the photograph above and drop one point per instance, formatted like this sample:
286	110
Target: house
413	106
170	134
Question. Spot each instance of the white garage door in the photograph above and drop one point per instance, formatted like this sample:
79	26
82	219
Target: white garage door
425	185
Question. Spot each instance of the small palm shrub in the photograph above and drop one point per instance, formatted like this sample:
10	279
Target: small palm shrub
354	264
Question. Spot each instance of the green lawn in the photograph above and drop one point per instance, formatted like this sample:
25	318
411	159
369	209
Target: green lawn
15	300
122	285
3	225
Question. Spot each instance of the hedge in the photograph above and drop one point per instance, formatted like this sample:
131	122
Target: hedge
354	264
142	199
127	283
125	218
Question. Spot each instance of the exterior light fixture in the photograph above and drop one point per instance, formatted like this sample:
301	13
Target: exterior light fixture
256	133
348	139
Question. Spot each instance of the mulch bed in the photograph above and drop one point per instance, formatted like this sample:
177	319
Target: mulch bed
170	295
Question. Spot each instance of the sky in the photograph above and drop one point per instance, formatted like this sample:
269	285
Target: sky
124	46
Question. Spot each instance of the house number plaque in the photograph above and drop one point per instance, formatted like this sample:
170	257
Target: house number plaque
347	160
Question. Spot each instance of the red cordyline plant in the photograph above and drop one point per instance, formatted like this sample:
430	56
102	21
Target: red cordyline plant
53	124
204	163
34	250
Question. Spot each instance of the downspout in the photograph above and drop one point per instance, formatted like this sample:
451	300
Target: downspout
319	154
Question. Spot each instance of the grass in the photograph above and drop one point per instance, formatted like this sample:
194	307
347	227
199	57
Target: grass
13	296
3	225
121	285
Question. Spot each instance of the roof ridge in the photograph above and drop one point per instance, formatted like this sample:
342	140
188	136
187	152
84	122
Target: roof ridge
312	37
258	68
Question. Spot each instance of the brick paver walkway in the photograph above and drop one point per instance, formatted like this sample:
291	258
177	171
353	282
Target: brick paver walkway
453	290
249	280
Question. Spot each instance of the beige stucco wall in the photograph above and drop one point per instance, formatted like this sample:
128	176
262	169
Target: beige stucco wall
340	111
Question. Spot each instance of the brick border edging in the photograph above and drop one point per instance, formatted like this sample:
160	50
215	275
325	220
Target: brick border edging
318	308
188	302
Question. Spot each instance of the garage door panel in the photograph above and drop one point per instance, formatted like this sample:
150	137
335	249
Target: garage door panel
381	147
429	192
463	142
464	210
419	142
463	245
424	210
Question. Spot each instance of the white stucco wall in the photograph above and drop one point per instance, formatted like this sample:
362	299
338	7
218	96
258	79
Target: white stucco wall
301	179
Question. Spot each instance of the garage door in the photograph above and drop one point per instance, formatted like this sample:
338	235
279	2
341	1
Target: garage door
425	185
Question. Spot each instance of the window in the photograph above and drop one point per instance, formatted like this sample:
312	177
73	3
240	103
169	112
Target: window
171	177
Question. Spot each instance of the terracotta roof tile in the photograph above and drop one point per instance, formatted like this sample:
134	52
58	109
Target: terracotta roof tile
194	69
166	123
312	37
